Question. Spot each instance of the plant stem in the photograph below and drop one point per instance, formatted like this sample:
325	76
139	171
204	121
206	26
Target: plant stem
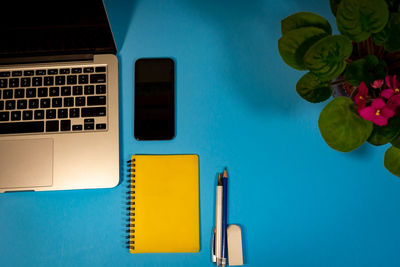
370	46
337	82
380	50
348	61
359	49
353	93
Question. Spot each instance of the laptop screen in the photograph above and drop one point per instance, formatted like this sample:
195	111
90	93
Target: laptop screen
43	28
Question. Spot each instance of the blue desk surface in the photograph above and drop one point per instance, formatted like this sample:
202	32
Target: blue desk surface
299	202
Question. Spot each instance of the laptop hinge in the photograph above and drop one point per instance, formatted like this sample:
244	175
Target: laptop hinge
45	59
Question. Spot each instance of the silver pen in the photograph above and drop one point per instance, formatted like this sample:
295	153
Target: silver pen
218	222
213	256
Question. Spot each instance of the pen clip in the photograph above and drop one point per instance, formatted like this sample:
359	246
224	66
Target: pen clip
213	256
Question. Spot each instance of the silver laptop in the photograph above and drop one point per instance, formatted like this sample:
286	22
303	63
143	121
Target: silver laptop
58	96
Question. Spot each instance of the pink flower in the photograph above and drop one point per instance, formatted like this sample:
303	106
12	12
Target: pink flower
393	103
393	87
378	112
361	95
377	84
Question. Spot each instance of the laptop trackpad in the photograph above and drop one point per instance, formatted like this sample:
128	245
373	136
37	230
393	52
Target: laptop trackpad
26	163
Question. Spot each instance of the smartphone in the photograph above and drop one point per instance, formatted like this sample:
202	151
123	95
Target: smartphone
154	105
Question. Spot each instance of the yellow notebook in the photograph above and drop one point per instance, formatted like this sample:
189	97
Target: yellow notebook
164	206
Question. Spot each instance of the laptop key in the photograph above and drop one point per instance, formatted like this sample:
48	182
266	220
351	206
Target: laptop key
71	79
80	101
25	82
10	104
101	126
100	69
42	92
97	78
33	103
74	113
41	72
52	126
76	70
96	100
16	115
30	92
54	91
66	125
51	114
8	94
52	72
77	90
88	70
93	112
4	116
22	104
14	82
17	73
5	74
83	79
45	103
39	114
37	81
19	93
68	102
22	127
56	102
65	71
3	83
1	104
62	113
60	80
48	81
89	89
27	115
66	90
77	127
100	89
88	124
29	73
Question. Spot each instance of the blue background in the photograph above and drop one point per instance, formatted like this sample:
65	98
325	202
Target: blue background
299	202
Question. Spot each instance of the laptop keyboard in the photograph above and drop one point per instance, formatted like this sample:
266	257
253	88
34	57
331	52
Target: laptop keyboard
53	100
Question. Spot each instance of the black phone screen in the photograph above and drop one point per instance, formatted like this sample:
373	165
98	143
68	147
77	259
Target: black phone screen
154	114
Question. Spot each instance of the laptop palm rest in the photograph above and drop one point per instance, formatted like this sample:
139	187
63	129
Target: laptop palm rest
26	163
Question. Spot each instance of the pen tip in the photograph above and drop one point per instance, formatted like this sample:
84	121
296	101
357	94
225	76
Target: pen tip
225	173
219	182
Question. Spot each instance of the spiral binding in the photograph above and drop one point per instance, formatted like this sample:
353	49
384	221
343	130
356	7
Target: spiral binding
131	204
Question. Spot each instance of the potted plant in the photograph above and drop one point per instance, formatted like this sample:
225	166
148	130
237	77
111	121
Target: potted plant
359	67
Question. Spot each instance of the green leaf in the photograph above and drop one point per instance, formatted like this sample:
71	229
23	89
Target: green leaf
396	142
392	160
394	5
305	19
294	44
341	126
367	69
390	37
312	89
384	134
359	18
334	5
380	37
326	58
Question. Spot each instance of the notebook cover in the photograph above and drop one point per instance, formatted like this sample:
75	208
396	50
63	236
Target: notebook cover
165	203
